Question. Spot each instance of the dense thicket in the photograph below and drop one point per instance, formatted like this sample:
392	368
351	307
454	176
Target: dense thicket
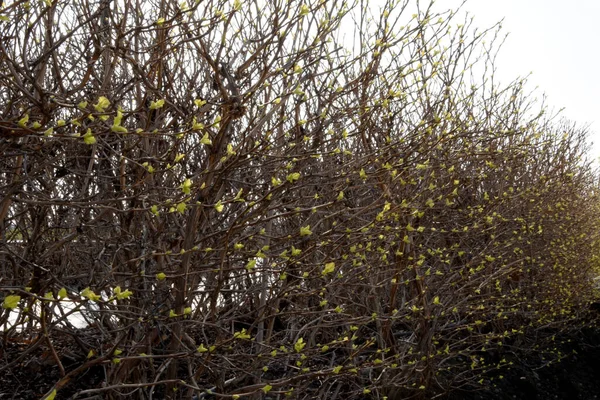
252	199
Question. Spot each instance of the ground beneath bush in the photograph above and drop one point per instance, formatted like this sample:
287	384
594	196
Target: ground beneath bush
576	377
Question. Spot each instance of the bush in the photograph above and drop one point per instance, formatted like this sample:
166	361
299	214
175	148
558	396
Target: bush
232	201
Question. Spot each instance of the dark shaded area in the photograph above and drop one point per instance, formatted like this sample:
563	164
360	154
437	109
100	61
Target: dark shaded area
31	373
535	377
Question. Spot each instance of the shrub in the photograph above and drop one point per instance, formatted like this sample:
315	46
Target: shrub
234	201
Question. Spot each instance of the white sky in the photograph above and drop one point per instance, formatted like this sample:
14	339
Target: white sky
558	42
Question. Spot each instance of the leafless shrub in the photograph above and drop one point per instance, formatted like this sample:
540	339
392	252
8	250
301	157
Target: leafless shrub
236	204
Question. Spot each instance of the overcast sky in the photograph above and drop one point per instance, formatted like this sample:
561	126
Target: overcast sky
558	42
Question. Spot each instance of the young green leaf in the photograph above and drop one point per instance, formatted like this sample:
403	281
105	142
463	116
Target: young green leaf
293	177
186	186
90	295
10	302
206	139
88	138
102	104
299	345
241	334
267	388
62	293
305	231
328	269
202	349
157	104
23	121
116	127
122	294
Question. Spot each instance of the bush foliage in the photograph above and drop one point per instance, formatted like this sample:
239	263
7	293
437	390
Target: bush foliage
257	199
